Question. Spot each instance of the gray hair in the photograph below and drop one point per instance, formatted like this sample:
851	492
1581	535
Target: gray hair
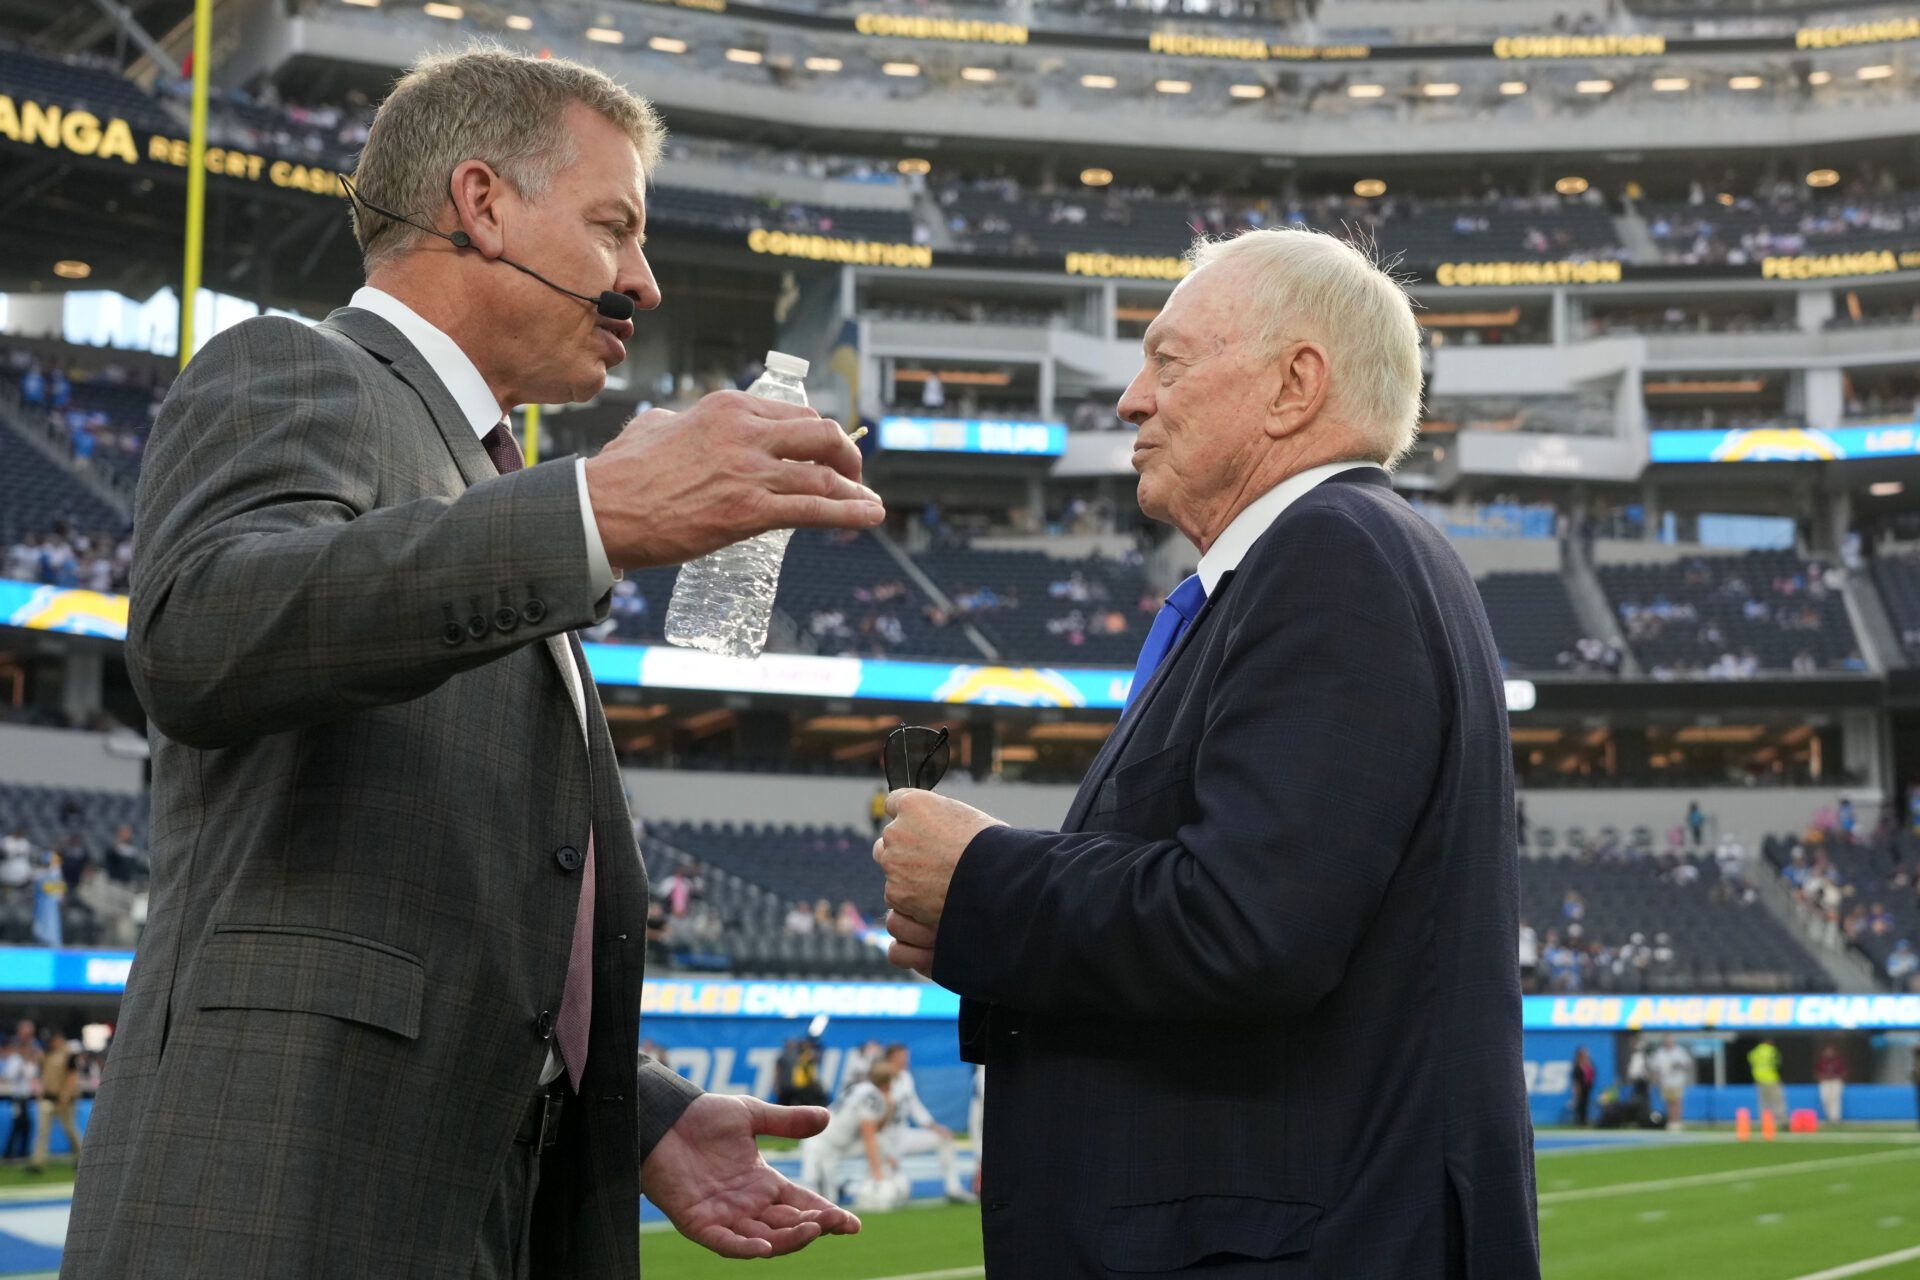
1308	284
485	103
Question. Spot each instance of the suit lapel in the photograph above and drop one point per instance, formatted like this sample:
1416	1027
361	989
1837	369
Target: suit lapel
388	344
1130	720
391	347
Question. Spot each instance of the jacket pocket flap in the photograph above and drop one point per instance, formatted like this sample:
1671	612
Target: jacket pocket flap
1133	783
319	971
1171	1234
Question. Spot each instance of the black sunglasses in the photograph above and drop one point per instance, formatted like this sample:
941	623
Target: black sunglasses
915	757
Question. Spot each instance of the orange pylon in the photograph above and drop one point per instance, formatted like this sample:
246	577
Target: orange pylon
1766	1123
1742	1125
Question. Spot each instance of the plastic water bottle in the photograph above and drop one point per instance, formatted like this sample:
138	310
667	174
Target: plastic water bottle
723	602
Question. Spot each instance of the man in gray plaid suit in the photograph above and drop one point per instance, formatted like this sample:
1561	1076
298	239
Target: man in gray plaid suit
384	1020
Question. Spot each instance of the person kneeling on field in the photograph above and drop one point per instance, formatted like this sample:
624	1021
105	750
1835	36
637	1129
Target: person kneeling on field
858	1118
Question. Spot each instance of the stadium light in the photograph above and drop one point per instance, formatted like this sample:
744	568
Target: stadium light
665	44
900	68
1173	86
1247	90
1368	188
1822	178
1513	88
979	75
72	269
1745	82
451	12
1570	186
1671	84
1098	82
364	4
1726	198
1366	90
518	22
748	57
1819	77
1441	90
1595	86
1880	72
823	64
1886	488
913	164
606	35
1096	177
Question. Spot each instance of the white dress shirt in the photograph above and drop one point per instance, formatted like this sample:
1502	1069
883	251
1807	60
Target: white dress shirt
1231	547
470	392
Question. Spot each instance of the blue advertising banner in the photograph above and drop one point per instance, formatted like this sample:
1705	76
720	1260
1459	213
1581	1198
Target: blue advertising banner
1786	444
664	667
1549	1070
974	435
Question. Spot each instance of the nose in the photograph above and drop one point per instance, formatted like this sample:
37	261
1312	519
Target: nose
636	280
1136	404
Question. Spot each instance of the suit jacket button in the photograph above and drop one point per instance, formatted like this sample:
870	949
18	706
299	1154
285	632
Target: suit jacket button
477	627
506	618
569	858
534	610
543	1025
452	634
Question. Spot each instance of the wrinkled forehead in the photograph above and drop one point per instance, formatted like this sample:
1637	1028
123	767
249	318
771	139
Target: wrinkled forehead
1207	306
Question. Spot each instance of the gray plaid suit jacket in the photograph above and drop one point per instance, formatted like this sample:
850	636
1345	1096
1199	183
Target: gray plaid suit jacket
370	794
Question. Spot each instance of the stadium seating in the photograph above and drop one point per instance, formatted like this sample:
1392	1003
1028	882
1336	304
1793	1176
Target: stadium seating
1728	615
1532	617
684	206
1898	577
1750	229
1870	879
1718	941
1036	608
37	493
105	93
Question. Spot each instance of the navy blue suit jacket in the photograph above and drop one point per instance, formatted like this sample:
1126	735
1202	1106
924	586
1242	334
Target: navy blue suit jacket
1255	1010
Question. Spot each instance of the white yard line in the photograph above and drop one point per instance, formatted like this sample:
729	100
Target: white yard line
1863	1266
952	1273
1728	1175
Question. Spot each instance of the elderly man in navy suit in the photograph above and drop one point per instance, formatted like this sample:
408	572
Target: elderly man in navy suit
1255	1009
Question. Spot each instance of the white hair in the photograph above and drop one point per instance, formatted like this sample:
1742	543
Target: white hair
1308	284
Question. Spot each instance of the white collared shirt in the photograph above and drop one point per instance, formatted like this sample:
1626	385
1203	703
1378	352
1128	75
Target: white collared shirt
470	392
1231	547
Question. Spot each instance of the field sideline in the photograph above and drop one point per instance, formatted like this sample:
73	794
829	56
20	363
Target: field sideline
1702	1207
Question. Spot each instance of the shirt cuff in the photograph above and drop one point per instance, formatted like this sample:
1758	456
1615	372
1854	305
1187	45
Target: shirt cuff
599	571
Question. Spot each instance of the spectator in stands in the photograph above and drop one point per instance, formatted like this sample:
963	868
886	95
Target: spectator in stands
849	922
1696	822
50	888
1529	956
877	809
1763	1060
799	922
23	559
16	861
1673	1067
1581	1079
124	858
1830	1070
1903	966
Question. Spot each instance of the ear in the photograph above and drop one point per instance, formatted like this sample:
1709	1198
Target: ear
476	191
1299	390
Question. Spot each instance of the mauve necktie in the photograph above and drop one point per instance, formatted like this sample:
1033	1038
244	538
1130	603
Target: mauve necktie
1181	608
576	1002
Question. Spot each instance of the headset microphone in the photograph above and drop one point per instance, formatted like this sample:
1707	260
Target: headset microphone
611	304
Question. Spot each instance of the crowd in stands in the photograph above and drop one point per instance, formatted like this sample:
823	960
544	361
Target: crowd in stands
1783	219
1732	617
1860	889
97	411
73	868
1615	911
65	557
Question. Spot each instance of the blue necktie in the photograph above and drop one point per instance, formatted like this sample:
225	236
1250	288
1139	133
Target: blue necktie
1181	608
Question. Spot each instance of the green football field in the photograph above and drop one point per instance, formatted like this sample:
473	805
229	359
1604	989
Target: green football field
1699	1208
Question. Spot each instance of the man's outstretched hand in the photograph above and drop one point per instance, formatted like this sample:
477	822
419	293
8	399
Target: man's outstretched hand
707	1176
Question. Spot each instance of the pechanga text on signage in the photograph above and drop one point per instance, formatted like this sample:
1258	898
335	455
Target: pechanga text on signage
83	133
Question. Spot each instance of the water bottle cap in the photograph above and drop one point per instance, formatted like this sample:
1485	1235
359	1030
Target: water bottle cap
785	365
